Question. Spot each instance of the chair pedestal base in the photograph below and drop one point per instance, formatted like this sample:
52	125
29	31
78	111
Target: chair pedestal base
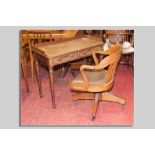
97	97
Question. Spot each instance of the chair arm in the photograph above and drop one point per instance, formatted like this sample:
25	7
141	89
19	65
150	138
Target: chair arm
83	67
99	52
83	73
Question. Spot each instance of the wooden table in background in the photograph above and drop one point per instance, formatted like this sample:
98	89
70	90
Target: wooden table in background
51	54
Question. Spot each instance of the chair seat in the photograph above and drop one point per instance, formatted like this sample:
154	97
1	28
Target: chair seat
94	77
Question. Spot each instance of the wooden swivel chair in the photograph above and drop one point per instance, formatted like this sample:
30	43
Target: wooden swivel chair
96	81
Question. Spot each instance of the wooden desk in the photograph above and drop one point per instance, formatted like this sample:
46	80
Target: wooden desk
50	54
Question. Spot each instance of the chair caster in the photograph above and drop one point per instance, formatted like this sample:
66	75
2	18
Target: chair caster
93	118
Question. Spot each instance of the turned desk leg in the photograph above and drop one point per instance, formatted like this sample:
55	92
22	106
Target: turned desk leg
51	79
38	78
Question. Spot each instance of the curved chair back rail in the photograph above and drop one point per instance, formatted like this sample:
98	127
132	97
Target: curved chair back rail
39	36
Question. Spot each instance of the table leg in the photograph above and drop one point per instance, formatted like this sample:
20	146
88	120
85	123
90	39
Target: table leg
51	79
38	78
24	69
31	62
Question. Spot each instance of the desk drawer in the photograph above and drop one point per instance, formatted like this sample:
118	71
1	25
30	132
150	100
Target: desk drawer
65	58
85	53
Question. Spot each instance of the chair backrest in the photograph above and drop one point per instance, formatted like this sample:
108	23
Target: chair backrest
39	36
23	43
119	37
23	37
111	62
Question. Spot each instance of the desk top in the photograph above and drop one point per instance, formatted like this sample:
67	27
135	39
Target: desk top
51	49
